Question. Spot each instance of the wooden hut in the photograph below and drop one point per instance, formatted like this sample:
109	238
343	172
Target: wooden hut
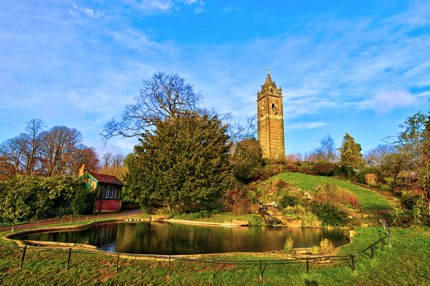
108	190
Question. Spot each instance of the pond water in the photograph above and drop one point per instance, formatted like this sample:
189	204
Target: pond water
168	238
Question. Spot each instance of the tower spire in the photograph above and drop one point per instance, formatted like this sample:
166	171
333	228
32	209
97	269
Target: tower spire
268	78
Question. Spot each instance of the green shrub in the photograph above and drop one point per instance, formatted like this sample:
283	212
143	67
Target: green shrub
84	202
288	201
324	168
289	245
255	220
307	168
409	200
300	212
400	217
385	187
329	214
326	246
421	212
315	250
362	173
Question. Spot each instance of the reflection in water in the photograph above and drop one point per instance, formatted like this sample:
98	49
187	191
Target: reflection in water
166	238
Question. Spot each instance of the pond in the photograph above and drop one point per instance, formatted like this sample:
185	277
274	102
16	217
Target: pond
174	239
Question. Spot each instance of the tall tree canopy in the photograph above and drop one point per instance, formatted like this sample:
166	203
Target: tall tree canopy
350	154
183	164
57	151
413	144
246	159
162	96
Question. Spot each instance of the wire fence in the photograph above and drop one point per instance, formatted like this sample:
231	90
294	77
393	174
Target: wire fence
218	264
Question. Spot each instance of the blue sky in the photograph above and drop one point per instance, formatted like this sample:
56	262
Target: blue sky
344	66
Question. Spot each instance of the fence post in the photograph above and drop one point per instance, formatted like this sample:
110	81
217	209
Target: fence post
389	236
117	263
68	258
372	251
261	273
307	265
168	273
352	262
71	219
23	256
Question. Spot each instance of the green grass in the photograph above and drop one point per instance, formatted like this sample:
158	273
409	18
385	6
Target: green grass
407	262
369	200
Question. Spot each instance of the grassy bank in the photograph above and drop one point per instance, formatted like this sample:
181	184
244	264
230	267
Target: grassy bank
369	200
407	262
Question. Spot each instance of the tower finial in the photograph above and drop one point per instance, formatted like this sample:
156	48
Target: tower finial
268	71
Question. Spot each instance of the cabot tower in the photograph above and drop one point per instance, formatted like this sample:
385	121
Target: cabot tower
270	120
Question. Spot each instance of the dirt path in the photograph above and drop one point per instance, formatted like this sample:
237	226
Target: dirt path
70	219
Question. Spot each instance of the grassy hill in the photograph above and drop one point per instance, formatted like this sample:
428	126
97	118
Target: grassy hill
368	199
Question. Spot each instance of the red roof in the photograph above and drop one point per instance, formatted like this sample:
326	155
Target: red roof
107	179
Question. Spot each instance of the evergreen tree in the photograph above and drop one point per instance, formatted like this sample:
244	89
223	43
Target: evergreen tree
350	155
183	164
246	160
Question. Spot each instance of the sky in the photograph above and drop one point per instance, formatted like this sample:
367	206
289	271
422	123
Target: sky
360	67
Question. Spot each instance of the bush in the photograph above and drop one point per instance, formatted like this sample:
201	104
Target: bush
326	246
300	212
421	212
362	173
268	171
307	168
324	168
329	193
35	197
315	250
291	168
409	200
400	217
385	187
289	245
329	214
288	201
255	220
236	201
83	203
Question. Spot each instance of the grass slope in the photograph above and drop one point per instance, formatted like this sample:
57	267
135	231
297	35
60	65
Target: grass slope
369	200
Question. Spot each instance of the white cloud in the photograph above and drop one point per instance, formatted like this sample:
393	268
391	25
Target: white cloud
152	6
304	125
385	101
78	10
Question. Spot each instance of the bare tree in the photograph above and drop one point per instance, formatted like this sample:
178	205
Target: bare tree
33	133
13	154
117	160
377	155
60	143
106	159
325	152
84	155
162	96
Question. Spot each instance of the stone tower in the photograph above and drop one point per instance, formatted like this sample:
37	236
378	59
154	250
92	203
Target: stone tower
270	120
